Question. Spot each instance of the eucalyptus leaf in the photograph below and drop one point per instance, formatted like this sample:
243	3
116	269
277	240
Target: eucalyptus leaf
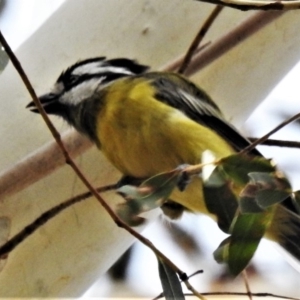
220	199
266	198
272	188
130	191
246	232
237	167
128	212
248	205
149	195
221	253
272	180
170	282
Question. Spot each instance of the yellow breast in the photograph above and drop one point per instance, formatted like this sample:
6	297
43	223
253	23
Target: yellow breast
143	137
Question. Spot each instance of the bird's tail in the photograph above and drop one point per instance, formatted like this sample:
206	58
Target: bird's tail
285	230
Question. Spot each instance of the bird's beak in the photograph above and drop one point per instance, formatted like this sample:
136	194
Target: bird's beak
49	103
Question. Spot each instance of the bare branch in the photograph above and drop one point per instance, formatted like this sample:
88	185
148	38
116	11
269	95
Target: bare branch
256	4
225	43
17	239
234	37
261	295
277	143
266	136
199	37
41	163
247	286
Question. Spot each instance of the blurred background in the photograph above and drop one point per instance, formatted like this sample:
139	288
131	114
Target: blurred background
191	241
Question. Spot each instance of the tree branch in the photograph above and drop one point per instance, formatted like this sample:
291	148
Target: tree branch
199	37
277	143
256	4
266	136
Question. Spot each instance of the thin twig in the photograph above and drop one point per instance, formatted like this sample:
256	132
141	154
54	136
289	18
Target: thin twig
196	273
119	222
277	143
40	163
17	239
226	42
247	286
33	95
266	136
257	4
194	292
199	37
240	294
190	276
175	64
245	294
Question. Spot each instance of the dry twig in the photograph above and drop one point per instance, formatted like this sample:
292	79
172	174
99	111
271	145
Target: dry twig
277	143
246	281
266	136
199	37
257	4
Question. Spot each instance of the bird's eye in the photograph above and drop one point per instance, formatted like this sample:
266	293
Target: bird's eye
70	81
52	95
73	79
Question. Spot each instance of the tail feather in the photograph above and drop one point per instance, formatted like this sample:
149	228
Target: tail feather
285	230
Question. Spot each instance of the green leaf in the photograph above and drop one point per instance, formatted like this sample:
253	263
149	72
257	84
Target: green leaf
262	187
170	282
237	167
221	253
219	199
264	190
246	232
266	198
248	205
149	195
246	235
128	212
273	188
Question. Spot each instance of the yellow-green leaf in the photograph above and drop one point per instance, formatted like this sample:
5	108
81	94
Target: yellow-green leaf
237	167
219	199
149	195
246	232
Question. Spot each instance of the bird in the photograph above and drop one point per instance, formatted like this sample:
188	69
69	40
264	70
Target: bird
147	122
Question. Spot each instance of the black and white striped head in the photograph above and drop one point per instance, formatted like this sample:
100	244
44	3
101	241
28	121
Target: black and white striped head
80	81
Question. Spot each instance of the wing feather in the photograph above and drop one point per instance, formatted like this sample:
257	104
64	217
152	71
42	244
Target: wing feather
185	96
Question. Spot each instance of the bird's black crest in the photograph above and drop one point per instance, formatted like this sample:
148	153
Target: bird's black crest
68	78
129	64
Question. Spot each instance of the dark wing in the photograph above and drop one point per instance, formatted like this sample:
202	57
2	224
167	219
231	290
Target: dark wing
182	94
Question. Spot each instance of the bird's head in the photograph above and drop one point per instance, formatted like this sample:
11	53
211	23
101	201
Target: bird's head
80	82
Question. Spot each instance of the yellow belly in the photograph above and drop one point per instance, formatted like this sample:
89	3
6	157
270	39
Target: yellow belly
151	137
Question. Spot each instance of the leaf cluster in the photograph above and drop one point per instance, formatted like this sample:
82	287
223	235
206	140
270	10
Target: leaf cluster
241	191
